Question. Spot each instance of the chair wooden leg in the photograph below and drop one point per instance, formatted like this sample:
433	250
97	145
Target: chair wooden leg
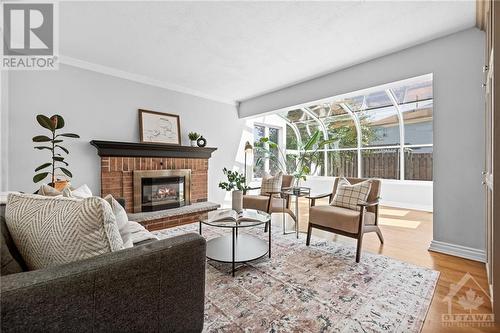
309	230
379	234
358	250
265	228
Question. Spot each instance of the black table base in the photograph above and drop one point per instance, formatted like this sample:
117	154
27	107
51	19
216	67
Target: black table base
238	248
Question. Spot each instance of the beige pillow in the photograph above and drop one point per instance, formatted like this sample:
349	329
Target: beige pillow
48	191
271	183
50	231
80	192
349	196
121	220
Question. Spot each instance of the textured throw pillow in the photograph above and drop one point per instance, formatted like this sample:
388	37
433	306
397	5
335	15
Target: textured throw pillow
50	231
271	183
121	220
48	191
349	196
80	192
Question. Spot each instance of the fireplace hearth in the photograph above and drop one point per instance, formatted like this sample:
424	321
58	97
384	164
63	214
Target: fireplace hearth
161	189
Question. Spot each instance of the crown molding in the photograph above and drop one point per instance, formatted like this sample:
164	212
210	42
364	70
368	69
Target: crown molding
74	62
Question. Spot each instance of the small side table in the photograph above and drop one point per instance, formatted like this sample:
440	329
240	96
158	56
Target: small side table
297	192
237	247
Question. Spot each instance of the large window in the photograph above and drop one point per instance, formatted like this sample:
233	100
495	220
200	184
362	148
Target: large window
383	132
261	163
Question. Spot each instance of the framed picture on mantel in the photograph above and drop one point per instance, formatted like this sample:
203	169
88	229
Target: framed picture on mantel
158	127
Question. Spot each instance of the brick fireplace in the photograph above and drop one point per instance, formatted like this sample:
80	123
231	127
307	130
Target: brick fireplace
120	160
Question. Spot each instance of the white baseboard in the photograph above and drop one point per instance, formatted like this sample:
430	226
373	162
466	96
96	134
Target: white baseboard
458	251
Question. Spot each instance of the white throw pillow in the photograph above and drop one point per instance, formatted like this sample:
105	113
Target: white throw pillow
80	192
349	196
121	220
271	183
49	191
139	233
50	231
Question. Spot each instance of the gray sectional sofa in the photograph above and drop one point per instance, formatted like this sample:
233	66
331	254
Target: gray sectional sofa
158	286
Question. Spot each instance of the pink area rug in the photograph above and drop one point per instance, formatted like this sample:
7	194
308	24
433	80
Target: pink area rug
313	289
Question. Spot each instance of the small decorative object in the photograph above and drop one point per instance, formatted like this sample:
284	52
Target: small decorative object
202	142
157	127
236	184
193	136
54	145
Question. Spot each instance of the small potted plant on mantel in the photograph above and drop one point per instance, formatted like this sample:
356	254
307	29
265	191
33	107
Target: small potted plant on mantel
53	143
235	183
193	136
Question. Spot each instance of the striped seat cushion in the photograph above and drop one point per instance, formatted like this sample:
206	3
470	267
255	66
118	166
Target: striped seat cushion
50	231
350	195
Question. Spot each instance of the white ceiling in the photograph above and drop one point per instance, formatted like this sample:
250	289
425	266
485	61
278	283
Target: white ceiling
230	51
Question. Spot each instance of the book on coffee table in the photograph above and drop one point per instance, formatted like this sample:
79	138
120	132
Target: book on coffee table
243	216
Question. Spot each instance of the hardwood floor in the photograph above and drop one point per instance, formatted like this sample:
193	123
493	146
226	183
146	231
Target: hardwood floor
408	234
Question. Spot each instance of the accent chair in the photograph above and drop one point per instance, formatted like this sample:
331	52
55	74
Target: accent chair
344	221
273	202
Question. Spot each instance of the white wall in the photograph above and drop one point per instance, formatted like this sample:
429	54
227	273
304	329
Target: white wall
103	107
456	62
394	193
3	130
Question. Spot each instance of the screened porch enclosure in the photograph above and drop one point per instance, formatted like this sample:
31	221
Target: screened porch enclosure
383	132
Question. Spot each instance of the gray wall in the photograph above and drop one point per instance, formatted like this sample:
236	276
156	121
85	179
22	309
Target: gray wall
98	106
456	62
3	130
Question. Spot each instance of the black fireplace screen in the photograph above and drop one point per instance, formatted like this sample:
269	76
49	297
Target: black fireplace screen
162	193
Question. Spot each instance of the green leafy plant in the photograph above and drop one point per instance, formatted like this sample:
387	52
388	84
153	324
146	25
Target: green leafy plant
308	154
54	141
235	180
193	136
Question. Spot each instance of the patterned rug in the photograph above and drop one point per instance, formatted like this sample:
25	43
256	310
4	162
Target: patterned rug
313	289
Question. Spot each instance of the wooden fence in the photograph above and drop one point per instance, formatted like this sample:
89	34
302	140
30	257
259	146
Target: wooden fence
418	166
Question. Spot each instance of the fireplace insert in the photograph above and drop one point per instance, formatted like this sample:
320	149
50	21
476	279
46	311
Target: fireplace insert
161	189
162	193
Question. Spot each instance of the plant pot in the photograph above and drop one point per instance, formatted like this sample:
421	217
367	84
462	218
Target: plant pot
60	184
193	143
237	200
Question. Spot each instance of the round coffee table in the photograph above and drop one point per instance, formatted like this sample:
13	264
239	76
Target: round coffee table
237	247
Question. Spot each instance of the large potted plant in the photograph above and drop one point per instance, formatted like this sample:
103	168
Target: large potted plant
53	143
235	183
308	155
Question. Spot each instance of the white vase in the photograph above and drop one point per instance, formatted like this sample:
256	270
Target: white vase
193	143
237	200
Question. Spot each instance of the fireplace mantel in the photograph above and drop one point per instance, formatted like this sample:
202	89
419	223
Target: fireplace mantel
133	149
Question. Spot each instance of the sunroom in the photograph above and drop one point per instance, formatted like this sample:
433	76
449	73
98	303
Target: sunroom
382	132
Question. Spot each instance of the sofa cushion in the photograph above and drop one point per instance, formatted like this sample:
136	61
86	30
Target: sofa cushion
80	192
49	231
339	218
260	202
121	220
139	234
48	191
350	195
9	265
